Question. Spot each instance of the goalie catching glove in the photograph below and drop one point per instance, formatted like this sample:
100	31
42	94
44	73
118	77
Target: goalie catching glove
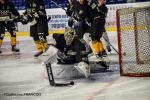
65	58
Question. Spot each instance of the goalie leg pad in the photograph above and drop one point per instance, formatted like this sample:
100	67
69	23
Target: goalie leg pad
83	68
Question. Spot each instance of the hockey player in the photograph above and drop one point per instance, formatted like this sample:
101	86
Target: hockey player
7	9
78	12
72	50
98	11
35	14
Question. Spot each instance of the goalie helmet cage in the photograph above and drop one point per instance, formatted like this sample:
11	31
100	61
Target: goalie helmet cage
133	28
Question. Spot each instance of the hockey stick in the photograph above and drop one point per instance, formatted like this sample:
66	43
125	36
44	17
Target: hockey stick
50	73
111	45
57	5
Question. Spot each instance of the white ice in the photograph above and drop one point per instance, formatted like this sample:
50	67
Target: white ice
20	74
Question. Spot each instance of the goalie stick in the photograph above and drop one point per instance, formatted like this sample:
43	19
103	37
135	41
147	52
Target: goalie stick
51	77
50	72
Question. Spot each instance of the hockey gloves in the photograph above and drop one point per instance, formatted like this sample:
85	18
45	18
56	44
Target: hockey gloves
29	18
70	22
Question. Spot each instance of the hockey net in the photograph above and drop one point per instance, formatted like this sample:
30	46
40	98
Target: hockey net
133	27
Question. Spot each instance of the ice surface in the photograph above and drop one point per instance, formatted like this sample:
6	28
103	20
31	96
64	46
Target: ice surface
21	74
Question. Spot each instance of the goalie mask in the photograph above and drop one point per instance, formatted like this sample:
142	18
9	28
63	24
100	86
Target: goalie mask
69	35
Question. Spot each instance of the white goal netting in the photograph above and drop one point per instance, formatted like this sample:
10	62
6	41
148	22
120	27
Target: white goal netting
133	26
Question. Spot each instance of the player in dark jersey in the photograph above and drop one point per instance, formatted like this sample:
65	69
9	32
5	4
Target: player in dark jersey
7	12
72	50
35	14
98	11
71	46
78	12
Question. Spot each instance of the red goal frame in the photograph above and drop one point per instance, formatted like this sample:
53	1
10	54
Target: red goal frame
138	60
